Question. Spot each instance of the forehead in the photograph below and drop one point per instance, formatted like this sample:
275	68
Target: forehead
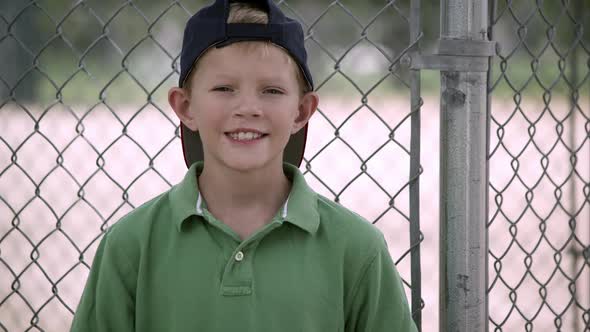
252	58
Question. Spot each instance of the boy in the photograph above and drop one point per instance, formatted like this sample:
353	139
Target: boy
242	243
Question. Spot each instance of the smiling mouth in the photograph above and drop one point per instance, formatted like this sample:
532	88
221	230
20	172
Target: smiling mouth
245	136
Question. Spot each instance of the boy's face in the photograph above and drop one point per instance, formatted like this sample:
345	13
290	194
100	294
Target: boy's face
246	102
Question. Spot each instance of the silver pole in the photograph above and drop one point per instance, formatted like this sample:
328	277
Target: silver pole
463	181
415	234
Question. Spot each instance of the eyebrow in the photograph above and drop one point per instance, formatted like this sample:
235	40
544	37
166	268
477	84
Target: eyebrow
223	75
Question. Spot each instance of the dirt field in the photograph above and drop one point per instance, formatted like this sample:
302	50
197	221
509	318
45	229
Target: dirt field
40	270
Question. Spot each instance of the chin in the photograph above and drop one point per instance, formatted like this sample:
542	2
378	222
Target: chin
246	165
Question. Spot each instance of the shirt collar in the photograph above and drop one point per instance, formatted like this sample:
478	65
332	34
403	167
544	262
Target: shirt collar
184	196
300	209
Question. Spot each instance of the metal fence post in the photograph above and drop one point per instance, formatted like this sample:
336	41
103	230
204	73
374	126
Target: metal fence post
463	183
415	170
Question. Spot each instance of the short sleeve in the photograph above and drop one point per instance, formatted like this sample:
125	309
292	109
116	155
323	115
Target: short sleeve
108	300
378	302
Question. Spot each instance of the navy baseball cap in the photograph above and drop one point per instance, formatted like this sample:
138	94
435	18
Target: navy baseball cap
209	28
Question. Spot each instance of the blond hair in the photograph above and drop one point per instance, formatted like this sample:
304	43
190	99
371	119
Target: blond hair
247	13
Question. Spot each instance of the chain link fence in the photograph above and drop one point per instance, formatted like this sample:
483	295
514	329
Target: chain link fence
86	134
539	159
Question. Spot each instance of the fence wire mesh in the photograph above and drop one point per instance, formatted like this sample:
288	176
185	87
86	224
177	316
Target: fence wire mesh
539	229
86	133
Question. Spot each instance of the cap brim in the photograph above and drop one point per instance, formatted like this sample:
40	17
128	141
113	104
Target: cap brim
192	147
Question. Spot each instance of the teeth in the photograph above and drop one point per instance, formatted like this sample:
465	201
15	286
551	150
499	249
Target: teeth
243	136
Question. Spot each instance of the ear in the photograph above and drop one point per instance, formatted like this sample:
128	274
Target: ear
307	106
179	100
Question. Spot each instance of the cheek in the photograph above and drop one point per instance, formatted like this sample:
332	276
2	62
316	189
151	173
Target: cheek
294	114
287	122
206	111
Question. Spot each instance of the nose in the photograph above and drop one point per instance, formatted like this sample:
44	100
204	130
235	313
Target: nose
248	105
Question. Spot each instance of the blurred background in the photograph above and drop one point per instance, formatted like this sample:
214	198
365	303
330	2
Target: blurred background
86	135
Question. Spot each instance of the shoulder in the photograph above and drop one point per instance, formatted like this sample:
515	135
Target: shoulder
134	228
339	220
357	240
140	217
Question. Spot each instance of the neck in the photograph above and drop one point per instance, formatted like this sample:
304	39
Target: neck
229	192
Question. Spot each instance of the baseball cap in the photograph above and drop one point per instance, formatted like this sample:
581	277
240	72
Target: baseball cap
209	28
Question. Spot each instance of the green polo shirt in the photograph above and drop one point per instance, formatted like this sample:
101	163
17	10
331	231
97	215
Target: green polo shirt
170	265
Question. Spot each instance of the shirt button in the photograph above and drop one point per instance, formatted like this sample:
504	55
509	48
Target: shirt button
239	256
